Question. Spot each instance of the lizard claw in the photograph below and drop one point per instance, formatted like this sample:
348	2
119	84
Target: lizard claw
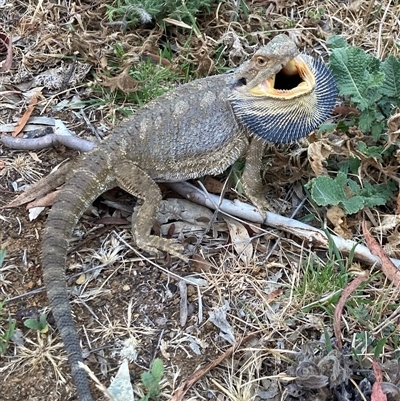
155	244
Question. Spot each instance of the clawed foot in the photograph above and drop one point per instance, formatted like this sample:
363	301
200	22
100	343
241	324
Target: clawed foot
155	244
262	204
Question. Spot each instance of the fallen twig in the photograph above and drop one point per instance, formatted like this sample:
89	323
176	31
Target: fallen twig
313	236
377	391
387	265
47	141
340	305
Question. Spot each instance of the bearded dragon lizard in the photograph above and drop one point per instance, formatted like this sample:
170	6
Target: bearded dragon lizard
199	128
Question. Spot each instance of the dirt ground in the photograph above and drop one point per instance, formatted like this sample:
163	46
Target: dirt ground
125	305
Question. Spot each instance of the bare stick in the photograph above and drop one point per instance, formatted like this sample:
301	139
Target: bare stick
70	141
313	236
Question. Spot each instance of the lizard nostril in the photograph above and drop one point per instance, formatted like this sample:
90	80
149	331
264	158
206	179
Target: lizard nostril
242	81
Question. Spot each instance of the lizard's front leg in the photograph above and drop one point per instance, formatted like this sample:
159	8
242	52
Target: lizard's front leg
137	182
251	178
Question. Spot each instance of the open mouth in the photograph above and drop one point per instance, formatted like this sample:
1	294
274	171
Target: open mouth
294	79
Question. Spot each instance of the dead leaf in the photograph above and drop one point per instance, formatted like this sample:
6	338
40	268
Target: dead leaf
218	318
337	217
241	240
47	200
199	264
393	242
393	125
392	390
81	279
35	157
317	154
355	5
111	221
123	81
387	223
345	111
24	119
43	187
215	186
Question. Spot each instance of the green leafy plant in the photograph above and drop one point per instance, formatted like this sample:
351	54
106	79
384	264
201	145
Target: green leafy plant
347	193
364	343
38	324
7	326
6	330
152	379
133	12
371	85
154	80
147	80
322	282
316	14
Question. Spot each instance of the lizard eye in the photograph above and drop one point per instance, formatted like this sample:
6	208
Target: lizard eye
261	61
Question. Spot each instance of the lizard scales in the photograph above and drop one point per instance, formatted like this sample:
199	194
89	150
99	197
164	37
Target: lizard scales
199	128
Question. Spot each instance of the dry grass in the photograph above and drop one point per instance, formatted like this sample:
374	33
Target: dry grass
129	307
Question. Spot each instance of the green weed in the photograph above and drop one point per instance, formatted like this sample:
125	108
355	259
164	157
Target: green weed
372	87
40	324
348	194
322	284
152	379
154	80
7	326
316	14
133	12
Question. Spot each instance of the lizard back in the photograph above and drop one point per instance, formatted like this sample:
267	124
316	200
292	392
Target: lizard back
187	133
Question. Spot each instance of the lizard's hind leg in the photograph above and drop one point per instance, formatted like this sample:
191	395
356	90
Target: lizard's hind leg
137	182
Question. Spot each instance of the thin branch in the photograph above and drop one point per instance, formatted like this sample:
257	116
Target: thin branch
47	141
313	236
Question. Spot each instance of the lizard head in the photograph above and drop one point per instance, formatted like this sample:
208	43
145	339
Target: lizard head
281	95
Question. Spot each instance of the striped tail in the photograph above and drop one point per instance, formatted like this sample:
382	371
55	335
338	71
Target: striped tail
76	196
